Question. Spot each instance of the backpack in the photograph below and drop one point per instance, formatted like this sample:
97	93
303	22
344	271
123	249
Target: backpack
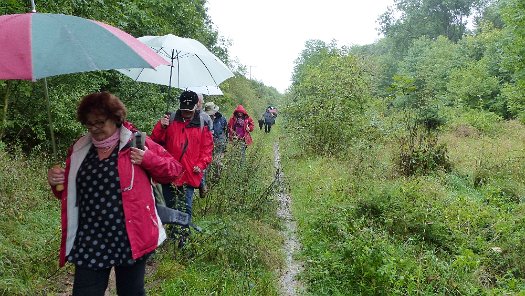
166	215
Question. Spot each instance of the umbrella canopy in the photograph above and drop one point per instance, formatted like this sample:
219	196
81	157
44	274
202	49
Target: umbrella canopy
38	45
206	90
191	64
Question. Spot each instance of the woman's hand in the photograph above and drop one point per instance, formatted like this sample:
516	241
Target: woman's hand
55	176
165	121
137	155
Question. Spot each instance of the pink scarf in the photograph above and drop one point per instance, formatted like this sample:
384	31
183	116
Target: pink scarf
109	142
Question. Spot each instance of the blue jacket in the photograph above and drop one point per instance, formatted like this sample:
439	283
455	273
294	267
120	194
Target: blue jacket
219	127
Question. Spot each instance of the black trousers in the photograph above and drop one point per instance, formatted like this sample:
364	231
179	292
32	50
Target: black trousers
261	122
129	280
267	127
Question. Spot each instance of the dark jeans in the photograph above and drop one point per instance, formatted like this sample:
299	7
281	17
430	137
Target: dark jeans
267	127
129	280
261	122
180	198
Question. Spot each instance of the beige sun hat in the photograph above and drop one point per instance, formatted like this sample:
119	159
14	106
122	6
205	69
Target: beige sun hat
210	108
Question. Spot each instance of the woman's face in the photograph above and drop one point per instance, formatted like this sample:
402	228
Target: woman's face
239	114
100	126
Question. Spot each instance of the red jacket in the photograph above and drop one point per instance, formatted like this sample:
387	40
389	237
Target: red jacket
144	229
248	125
198	142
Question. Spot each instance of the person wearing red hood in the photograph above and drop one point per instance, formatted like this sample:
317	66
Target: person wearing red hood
239	127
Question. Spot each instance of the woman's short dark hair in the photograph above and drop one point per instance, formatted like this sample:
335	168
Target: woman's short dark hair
102	103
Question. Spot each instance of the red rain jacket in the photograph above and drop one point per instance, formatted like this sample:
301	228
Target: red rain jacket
248	125
145	231
198	142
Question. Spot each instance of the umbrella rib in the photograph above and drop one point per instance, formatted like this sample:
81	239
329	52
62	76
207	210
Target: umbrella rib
205	66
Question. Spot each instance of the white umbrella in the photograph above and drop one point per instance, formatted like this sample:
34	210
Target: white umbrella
191	64
206	90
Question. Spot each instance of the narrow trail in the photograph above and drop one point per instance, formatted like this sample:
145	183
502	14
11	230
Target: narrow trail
290	285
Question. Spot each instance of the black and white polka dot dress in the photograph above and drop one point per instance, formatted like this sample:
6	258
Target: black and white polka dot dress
102	240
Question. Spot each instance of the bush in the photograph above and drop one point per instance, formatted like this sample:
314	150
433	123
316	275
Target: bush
485	122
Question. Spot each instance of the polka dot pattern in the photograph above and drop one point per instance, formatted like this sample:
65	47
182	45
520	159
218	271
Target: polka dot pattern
102	240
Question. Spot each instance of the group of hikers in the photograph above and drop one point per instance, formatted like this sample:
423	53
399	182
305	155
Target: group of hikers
268	119
109	216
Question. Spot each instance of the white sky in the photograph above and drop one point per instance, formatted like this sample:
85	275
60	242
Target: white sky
269	35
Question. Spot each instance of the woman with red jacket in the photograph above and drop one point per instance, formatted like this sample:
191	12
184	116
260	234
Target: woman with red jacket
109	219
239	127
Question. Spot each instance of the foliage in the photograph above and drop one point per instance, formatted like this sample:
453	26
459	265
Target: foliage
430	62
484	122
410	20
514	53
419	122
329	92
439	234
472	86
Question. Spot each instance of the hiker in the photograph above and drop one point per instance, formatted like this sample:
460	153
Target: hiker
269	120
190	141
261	121
108	208
203	189
240	125
205	116
219	128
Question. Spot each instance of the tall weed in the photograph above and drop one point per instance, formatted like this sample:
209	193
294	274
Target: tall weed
30	224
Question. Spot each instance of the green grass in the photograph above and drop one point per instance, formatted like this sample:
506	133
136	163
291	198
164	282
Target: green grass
239	251
30	224
368	232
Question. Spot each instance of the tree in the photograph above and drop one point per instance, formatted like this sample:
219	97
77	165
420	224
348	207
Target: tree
513	13
430	63
430	18
328	98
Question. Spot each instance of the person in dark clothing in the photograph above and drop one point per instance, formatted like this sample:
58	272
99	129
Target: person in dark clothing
261	122
269	120
220	126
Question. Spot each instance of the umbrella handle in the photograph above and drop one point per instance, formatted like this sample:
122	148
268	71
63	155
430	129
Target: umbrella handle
50	120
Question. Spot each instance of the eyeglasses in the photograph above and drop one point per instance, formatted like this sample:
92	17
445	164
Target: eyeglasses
97	124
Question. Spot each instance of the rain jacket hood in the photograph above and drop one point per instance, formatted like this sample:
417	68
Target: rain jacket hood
241	109
248	125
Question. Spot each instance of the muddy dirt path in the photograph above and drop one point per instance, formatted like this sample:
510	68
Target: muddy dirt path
290	285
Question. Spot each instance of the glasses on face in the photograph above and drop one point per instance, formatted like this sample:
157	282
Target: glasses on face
96	124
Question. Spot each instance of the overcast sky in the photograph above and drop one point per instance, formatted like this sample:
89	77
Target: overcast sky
267	36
